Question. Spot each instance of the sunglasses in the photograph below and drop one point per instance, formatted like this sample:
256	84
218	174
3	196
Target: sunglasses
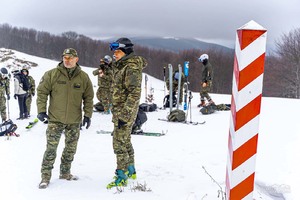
115	45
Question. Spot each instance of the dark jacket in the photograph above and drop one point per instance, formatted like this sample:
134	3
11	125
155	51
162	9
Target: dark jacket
66	95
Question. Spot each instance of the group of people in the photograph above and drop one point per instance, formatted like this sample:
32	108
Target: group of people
70	94
21	93
205	84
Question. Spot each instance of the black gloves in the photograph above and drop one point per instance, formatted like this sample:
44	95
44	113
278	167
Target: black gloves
8	97
43	117
15	96
33	94
87	121
121	123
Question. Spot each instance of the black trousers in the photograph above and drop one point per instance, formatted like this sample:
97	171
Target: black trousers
22	105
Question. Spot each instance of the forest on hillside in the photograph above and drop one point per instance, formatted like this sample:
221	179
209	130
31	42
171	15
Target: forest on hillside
282	67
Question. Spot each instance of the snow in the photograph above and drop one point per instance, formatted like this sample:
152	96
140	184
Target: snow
189	163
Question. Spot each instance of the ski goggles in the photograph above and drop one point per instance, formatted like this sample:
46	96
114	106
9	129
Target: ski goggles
115	45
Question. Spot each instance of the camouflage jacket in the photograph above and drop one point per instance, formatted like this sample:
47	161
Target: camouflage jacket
32	85
127	87
106	80
4	87
66	95
207	73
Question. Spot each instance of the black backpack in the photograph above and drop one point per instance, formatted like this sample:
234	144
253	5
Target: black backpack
166	101
25	82
7	127
148	107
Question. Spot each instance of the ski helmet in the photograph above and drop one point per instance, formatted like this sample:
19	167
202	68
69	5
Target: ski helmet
15	70
107	59
4	72
124	44
203	57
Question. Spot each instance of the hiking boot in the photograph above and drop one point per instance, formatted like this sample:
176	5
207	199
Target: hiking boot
121	179
68	177
43	184
201	104
131	173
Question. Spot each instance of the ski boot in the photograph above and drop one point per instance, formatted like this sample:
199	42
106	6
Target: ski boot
120	179
201	104
131	173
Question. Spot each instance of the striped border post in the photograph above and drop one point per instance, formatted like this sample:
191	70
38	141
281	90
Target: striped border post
245	110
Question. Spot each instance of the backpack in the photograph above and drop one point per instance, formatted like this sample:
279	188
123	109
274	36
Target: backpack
25	82
141	118
148	107
166	102
7	127
209	109
176	116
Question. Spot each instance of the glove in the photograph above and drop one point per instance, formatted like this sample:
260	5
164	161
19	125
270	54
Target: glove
8	97
121	123
43	117
15	96
33	94
87	121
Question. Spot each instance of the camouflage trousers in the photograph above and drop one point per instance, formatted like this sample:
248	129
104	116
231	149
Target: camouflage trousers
204	91
3	108
53	133
28	103
122	146
104	96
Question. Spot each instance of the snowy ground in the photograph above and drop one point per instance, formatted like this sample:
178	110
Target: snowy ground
171	166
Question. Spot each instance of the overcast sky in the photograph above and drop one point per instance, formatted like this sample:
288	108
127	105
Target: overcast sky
209	20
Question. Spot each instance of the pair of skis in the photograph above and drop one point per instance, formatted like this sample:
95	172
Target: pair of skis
156	134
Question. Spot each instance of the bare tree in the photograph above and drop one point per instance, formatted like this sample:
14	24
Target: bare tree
288	52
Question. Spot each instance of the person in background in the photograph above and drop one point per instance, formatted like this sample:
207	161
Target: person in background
31	91
104	92
206	81
70	93
4	90
175	84
127	80
19	93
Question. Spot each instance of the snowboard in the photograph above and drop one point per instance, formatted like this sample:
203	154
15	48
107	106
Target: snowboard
31	124
156	134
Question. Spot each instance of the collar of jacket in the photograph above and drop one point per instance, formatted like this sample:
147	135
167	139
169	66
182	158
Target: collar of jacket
64	71
124	58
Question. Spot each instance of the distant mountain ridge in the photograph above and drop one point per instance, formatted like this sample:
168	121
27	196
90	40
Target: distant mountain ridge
175	44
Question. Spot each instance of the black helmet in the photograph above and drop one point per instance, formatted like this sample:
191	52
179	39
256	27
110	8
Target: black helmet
124	44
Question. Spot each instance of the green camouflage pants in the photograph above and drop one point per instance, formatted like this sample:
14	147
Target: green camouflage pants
104	96
28	103
123	147
3	108
204	91
54	132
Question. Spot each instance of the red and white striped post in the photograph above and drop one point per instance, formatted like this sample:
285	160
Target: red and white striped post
247	84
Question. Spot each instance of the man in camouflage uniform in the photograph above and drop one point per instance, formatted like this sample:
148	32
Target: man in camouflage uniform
4	89
206	80
104	91
68	87
126	98
31	91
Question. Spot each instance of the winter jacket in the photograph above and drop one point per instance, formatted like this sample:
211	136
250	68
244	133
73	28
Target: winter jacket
66	95
106	80
127	87
4	87
18	85
207	73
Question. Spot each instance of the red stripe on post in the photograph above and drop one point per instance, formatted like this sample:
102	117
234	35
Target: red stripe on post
243	188
244	152
246	37
248	112
251	72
